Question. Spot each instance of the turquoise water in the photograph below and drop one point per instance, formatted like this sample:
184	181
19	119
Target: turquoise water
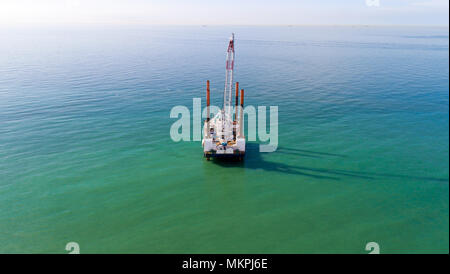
86	155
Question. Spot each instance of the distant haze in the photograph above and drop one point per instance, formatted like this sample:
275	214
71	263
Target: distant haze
243	12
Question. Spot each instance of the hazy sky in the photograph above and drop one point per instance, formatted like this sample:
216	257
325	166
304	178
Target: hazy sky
236	12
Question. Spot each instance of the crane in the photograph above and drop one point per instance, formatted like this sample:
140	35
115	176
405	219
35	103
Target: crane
229	77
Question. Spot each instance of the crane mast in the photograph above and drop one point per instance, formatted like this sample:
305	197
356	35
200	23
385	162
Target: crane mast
229	78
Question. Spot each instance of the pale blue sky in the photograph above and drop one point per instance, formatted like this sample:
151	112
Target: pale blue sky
236	12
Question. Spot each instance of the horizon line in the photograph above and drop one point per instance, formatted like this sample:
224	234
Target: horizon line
217	25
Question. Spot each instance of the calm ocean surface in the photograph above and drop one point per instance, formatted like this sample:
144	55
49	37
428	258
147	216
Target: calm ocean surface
86	155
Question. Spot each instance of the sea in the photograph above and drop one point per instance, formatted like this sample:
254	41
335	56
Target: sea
86	154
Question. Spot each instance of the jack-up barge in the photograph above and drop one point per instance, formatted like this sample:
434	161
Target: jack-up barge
223	135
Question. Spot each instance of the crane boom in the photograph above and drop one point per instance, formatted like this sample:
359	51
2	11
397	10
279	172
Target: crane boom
229	77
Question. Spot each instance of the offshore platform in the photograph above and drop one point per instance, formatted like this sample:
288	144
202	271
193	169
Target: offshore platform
223	135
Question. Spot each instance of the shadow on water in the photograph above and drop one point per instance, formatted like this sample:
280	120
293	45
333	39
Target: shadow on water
307	153
255	160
